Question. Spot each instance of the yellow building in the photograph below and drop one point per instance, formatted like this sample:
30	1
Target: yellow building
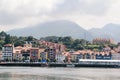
0	55
17	55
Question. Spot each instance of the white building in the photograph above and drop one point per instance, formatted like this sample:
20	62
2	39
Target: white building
59	57
7	52
116	56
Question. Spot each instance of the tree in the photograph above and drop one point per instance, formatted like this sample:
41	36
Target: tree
7	39
30	38
3	33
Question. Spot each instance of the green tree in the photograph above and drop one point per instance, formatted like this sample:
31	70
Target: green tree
30	38
7	39
3	33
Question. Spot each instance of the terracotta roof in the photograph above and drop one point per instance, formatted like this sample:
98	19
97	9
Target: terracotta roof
8	45
19	47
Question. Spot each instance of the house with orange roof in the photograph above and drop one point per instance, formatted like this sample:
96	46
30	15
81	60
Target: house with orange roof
17	55
67	57
35	54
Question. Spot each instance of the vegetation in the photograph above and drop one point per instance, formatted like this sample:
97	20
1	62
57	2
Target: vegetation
17	41
77	44
69	42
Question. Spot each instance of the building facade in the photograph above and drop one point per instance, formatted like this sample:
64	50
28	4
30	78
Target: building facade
34	54
51	54
7	52
43	56
103	41
25	55
59	57
17	55
116	56
0	55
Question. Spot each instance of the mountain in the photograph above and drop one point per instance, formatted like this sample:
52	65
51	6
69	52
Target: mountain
108	31
54	28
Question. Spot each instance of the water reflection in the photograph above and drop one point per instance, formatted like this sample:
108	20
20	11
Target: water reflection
28	73
8	76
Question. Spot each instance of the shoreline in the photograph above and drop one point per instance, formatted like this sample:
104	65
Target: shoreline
75	65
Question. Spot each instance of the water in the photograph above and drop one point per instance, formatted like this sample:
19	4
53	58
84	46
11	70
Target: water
37	73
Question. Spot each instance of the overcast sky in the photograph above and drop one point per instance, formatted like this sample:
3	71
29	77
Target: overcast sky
86	13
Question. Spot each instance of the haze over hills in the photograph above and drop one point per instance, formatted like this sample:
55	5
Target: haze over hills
108	31
67	28
55	28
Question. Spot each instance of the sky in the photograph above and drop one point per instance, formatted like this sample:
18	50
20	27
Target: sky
87	13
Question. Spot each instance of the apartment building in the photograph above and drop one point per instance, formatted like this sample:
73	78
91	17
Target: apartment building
7	52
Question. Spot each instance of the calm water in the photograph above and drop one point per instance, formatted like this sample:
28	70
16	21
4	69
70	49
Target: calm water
36	73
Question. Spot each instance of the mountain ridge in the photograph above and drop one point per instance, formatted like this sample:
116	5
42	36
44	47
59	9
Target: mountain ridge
109	30
64	28
53	28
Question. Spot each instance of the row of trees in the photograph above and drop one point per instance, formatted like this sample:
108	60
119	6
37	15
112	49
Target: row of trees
17	41
76	44
71	44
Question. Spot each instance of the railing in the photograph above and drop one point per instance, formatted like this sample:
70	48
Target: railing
101	62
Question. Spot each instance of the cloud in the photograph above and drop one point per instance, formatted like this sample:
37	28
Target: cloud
89	7
87	13
15	11
7	18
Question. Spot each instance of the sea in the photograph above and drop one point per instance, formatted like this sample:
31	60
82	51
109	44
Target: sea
47	73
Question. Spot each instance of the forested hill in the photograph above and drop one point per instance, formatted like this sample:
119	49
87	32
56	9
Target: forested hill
69	42
17	41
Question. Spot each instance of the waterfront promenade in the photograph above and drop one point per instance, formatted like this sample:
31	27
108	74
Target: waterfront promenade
38	64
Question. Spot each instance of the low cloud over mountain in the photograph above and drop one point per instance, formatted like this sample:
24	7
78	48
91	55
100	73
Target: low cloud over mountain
68	28
55	28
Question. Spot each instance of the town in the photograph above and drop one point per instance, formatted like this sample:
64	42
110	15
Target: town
56	53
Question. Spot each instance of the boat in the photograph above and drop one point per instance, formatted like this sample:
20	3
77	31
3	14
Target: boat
70	65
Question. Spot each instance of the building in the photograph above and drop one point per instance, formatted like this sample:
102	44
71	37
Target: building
7	52
17	55
88	54
117	49
57	46
25	55
74	57
39	54
28	45
34	52
104	56
43	56
67	57
22	53
51	54
79	56
59	57
0	55
54	51
103	41
115	56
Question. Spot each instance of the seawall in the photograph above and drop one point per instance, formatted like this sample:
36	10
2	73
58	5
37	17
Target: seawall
58	65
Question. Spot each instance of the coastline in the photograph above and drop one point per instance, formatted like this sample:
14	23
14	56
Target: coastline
76	65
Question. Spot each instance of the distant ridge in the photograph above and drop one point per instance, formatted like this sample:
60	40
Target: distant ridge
108	31
68	28
54	28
